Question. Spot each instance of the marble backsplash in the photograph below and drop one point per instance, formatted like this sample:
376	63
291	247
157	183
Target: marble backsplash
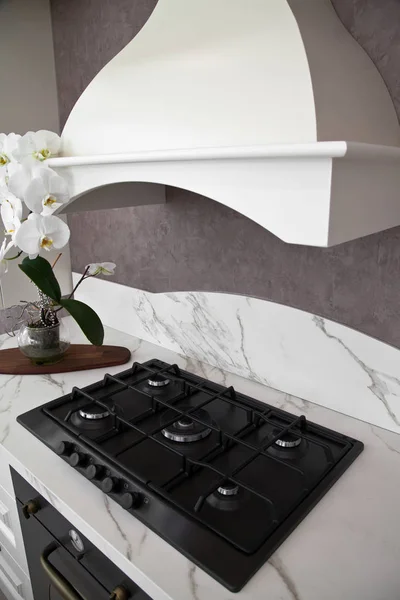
284	348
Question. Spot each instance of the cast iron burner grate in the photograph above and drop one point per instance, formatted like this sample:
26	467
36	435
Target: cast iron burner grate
229	497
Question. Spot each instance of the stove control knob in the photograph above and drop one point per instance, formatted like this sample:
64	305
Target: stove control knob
77	459
120	593
131	500
64	449
110	484
94	471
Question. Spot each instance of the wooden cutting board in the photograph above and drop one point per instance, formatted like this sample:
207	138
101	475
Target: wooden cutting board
78	357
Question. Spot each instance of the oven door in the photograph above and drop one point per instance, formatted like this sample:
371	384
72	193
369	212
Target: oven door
55	573
64	581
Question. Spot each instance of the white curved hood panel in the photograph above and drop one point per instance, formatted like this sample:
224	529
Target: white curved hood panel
200	74
249	104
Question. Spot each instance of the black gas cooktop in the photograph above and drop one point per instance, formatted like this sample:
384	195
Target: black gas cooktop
220	476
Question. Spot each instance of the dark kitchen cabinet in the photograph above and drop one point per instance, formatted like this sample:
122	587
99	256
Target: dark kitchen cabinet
63	564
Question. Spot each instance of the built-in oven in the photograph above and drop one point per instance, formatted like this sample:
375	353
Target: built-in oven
64	564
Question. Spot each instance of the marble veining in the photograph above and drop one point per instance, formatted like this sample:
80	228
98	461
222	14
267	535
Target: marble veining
57	384
5	433
378	385
279	567
375	431
142	540
192	580
296	352
252	375
128	552
341	550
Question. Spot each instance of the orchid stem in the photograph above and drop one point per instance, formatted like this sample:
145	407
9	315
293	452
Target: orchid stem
56	261
75	288
79	283
14	257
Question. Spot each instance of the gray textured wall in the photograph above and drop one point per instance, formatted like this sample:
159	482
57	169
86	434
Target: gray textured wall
192	243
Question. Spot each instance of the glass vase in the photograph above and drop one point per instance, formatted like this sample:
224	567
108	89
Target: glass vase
44	345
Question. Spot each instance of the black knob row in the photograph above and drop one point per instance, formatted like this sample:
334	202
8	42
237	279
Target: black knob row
77	459
94	472
64	448
131	500
128	499
108	484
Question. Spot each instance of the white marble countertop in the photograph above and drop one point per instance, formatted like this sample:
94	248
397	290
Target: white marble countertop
348	547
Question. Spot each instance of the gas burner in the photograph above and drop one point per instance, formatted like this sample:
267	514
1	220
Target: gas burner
93	413
228	489
92	417
288	440
158	385
228	497
158	381
289	446
185	429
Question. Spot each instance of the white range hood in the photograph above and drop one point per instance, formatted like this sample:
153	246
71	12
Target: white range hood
267	106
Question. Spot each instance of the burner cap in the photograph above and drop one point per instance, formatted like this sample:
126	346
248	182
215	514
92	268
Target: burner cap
228	489
93	413
185	429
288	440
229	497
185	423
158	381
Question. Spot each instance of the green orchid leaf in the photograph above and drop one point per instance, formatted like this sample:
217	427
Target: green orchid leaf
86	318
40	272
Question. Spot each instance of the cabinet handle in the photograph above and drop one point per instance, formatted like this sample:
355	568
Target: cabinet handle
120	593
62	585
30	508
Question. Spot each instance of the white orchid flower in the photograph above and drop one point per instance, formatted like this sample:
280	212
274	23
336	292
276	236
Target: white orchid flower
40	232
46	192
8	145
105	268
37	146
4	158
11	211
3	262
19	178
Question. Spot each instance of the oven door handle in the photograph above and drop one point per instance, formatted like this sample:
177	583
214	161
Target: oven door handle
62	585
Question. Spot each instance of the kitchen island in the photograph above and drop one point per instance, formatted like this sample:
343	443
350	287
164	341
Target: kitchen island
348	547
